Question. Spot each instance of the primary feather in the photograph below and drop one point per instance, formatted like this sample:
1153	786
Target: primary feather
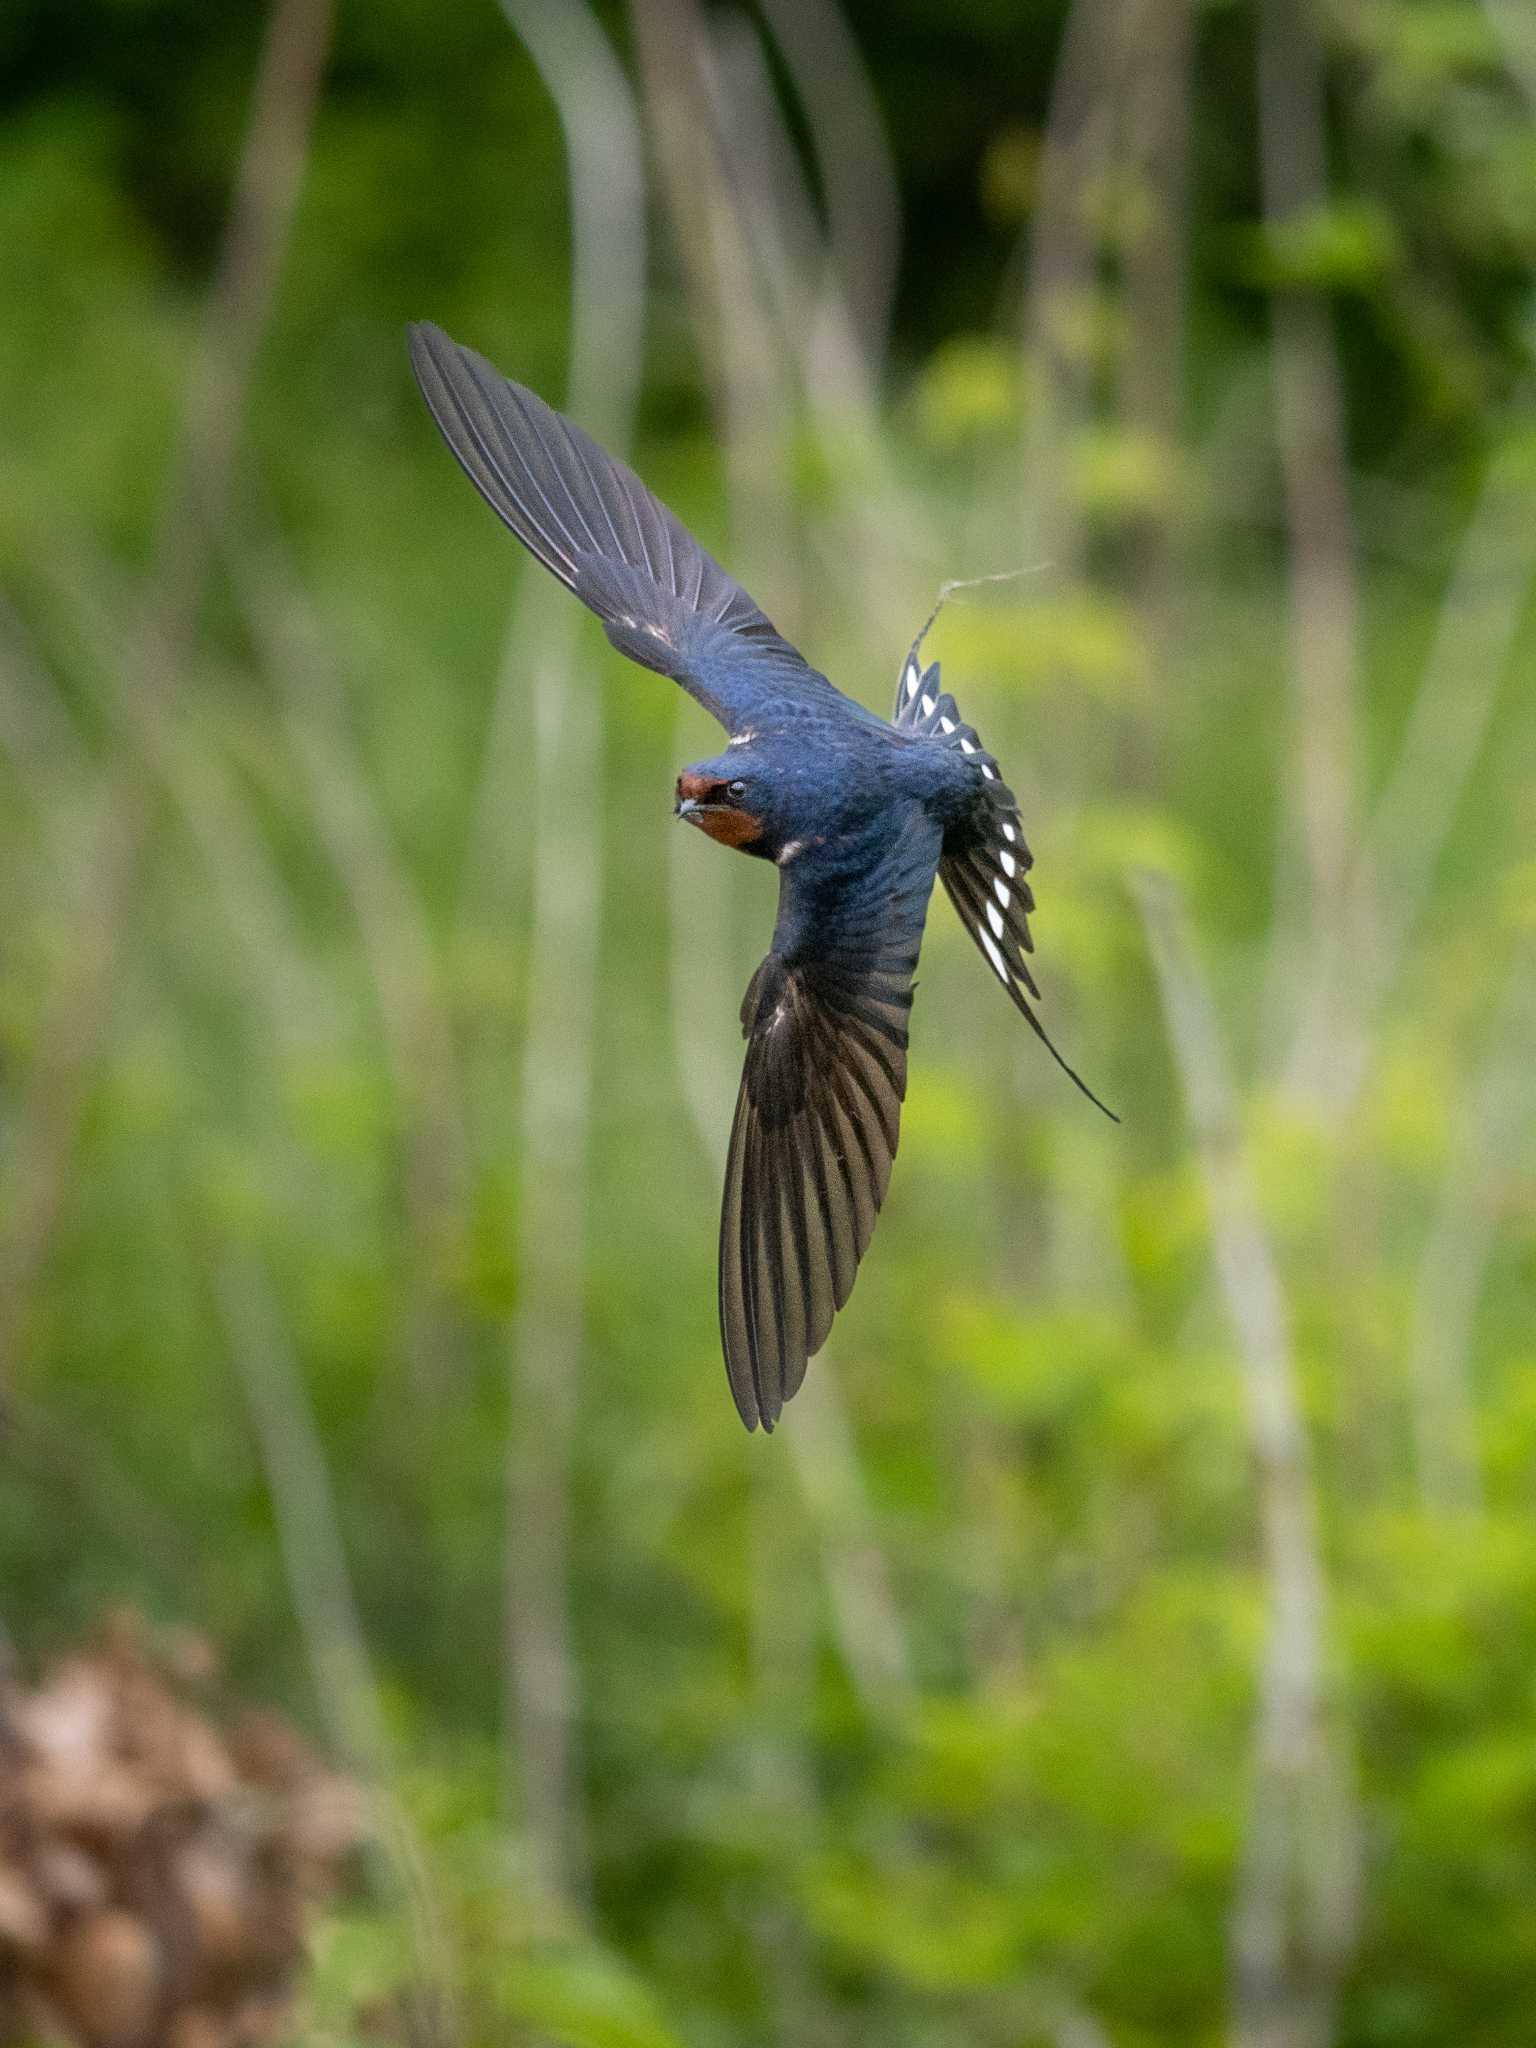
663	600
818	1118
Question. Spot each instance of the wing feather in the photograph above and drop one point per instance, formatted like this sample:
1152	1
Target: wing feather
663	600
818	1118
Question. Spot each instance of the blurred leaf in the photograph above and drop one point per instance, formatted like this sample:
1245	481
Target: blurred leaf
1338	247
583	1998
969	389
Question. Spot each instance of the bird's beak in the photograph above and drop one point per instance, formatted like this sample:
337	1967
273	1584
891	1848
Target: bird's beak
687	807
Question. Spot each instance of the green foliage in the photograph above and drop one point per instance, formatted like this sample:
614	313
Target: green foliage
310	1052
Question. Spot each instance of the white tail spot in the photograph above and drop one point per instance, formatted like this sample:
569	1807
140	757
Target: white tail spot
946	725
967	746
1009	864
989	771
930	705
994	918
1008	832
913	678
1000	891
990	948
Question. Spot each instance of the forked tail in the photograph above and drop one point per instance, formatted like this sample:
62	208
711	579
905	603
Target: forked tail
986	879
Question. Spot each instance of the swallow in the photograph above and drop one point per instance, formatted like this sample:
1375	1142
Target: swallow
857	812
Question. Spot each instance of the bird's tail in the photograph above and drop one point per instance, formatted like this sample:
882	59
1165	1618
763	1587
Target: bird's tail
987	880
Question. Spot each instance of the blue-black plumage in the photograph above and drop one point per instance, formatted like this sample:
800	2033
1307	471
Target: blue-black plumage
858	813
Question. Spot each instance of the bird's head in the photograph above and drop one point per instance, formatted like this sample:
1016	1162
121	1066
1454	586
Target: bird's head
726	800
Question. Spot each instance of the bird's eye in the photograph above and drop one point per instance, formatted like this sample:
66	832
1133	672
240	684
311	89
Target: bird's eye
735	790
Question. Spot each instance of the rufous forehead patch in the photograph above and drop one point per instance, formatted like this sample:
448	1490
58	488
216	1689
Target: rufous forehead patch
690	783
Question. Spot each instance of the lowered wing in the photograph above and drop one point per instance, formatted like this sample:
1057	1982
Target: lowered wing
818	1116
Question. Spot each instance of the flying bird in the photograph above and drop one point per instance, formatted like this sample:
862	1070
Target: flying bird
857	813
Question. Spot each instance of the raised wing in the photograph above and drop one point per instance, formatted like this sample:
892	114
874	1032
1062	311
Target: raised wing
818	1117
588	518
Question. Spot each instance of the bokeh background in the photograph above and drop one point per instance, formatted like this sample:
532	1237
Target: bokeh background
1130	1635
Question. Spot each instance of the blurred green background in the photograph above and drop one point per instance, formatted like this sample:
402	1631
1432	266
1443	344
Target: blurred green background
1130	1635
